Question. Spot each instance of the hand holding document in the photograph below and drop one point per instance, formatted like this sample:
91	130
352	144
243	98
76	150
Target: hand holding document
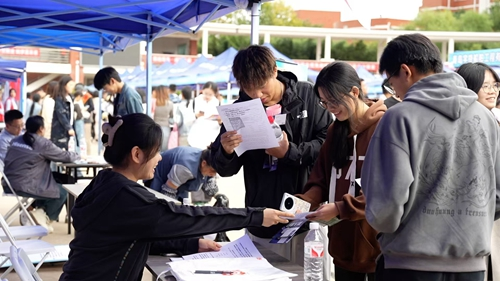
250	121
238	260
240	248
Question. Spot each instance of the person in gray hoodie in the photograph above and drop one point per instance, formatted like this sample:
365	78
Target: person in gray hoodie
430	172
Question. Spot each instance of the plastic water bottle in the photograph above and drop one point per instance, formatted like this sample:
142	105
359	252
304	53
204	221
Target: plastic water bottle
313	254
277	129
279	136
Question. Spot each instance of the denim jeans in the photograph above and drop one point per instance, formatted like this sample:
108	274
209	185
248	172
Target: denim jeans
52	206
80	134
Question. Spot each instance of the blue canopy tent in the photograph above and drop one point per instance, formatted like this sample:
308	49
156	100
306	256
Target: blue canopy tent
132	74
217	70
102	26
277	53
11	70
364	74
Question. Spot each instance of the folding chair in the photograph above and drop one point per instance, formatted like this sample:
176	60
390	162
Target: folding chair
22	265
22	203
24	232
29	246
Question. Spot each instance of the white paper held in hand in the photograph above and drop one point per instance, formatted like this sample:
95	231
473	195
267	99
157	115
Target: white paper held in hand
249	119
241	248
298	216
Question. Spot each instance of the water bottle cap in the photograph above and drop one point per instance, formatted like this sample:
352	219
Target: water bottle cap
314	225
271	119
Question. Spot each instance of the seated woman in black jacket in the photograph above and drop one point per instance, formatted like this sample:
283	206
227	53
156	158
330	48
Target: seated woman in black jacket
116	219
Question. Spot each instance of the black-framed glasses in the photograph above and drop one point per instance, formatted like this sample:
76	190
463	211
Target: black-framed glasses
495	87
387	85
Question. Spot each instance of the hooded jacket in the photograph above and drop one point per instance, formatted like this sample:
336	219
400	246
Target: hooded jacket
306	126
430	178
28	168
116	220
352	242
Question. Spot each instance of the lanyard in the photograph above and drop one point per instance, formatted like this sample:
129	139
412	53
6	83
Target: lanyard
350	175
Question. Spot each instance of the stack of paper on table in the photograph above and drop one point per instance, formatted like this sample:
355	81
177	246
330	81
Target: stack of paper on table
254	269
239	256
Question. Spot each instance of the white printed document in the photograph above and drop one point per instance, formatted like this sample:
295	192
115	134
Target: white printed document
250	120
237	269
241	248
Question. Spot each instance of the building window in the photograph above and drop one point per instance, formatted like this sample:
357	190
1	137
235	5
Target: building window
182	49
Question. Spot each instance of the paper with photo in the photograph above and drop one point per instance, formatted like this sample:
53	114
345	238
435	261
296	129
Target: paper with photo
254	269
250	120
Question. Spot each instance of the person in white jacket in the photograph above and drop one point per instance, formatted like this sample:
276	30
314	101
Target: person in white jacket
48	104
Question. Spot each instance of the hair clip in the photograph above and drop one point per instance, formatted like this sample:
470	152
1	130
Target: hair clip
110	131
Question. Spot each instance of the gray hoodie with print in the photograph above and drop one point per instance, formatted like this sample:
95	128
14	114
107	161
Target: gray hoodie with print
431	178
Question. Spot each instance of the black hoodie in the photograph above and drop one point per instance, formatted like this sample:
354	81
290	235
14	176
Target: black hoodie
116	220
306	127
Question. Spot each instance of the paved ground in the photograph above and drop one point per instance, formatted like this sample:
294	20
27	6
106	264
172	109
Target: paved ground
231	187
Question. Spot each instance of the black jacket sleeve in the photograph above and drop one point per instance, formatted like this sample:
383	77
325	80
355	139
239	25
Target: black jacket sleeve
192	221
225	164
180	247
157	219
90	103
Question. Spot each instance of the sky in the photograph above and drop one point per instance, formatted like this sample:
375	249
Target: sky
405	10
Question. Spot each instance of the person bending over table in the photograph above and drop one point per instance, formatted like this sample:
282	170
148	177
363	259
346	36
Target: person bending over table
182	170
27	167
116	219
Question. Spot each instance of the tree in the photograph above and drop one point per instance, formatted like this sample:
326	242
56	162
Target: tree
279	14
494	14
434	21
473	21
458	21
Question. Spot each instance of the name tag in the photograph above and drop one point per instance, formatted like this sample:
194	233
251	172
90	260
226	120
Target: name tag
280	119
302	114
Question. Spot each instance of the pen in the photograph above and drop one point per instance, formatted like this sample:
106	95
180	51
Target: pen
213	272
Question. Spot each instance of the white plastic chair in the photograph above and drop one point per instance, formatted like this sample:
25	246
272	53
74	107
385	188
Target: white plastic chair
22	202
22	265
29	246
24	232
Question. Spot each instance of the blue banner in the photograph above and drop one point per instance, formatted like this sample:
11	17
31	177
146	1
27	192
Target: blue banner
490	57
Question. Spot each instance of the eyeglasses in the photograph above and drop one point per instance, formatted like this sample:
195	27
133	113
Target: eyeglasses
387	86
495	87
326	104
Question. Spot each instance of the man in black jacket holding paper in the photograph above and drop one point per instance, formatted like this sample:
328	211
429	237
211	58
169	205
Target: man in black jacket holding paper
304	131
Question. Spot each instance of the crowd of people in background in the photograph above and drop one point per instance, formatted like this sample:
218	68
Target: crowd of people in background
406	153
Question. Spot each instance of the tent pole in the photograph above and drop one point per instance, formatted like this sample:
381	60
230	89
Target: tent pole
149	88
255	24
149	66
99	124
24	88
